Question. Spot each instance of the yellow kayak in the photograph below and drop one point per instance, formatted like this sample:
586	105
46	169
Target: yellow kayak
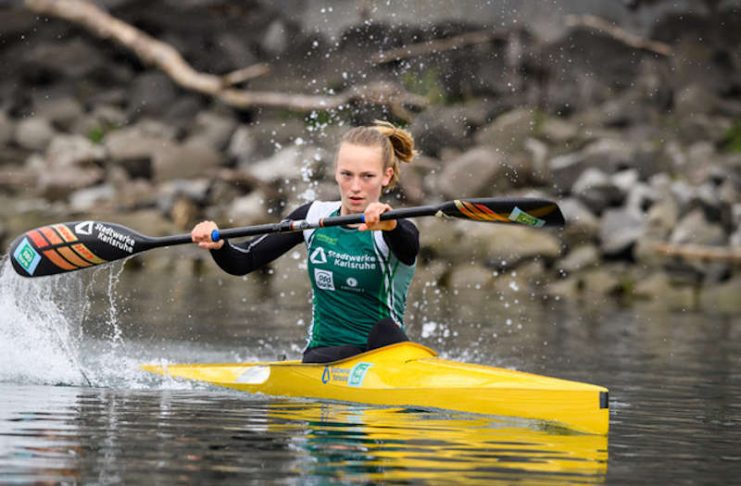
409	374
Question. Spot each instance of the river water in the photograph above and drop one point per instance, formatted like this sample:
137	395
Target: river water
76	409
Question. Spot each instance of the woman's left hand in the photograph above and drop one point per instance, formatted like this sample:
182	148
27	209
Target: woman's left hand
373	218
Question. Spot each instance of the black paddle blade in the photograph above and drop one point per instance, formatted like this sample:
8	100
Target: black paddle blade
533	212
66	247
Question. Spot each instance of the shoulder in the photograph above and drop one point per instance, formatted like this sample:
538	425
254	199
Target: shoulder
321	209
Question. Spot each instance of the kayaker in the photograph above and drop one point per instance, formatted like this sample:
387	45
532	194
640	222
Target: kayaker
359	275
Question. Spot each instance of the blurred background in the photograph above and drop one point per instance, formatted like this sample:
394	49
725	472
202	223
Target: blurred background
626	112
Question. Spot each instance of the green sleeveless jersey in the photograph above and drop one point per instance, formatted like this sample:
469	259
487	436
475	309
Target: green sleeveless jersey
356	281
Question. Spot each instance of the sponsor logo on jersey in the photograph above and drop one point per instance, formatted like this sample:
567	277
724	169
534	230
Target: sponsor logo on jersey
324	279
352	282
318	256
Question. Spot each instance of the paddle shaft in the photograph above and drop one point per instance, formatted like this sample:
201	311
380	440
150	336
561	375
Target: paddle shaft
71	246
288	226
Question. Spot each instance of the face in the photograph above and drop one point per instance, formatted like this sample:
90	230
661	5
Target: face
360	176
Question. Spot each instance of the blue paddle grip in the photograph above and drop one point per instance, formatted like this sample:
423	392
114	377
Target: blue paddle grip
215	235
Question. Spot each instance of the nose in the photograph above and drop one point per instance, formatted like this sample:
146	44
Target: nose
355	184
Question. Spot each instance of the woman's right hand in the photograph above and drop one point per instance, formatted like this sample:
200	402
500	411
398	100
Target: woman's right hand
201	234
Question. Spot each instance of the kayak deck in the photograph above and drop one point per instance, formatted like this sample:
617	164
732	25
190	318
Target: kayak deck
409	374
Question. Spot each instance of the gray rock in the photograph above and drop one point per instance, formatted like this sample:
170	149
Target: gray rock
696	230
609	155
640	197
735	239
34	133
482	171
275	39
151	93
58	182
242	146
597	190
582	226
213	130
558	131
694	99
538	153
85	200
502	245
75	58
579	258
248	210
169	192
63	113
620	229
73	150
509	131
6	129
470	276
285	165
102	119
442	127
185	161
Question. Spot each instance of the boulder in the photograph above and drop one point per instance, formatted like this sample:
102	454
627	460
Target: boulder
242	146
620	229
87	199
582	226
248	210
73	150
58	182
481	171
597	190
581	257
151	93
213	130
694	229
6	129
63	113
34	133
285	165
509	131
190	160
558	131
442	127
502	245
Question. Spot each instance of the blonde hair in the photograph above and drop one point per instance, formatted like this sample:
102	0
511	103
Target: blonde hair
397	144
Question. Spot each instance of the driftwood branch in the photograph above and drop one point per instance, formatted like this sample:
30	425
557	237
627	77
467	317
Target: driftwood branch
166	58
701	252
620	35
435	46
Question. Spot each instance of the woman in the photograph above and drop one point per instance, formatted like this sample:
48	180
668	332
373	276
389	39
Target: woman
359	275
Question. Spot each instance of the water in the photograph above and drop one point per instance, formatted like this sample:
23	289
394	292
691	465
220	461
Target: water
675	383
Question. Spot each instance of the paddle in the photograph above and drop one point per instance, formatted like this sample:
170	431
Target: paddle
66	247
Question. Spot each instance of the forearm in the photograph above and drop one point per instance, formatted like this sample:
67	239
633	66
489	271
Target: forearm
403	241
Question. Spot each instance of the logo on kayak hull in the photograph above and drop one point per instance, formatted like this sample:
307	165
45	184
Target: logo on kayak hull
352	377
357	374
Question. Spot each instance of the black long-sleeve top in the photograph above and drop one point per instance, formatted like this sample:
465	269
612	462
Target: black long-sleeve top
243	258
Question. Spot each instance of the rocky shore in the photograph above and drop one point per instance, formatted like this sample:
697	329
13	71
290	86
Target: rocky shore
639	142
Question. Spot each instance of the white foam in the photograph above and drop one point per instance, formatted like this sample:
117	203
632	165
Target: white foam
40	328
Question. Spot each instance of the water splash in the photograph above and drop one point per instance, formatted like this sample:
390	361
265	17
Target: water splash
40	328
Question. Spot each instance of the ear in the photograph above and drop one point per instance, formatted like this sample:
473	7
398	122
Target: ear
388	173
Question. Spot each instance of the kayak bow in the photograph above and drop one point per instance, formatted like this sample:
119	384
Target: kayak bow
409	374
